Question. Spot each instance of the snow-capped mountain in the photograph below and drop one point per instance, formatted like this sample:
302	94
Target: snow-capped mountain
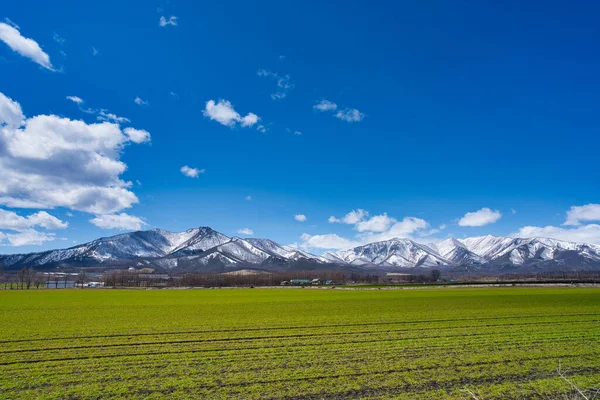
486	253
390	253
199	247
204	249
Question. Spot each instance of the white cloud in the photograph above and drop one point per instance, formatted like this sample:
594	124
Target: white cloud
325	105
284	85
191	172
24	46
245	231
329	241
353	217
248	198
102	114
350	115
137	135
513	211
375	229
29	238
482	217
10	220
124	222
582	234
224	113
138	100
407	228
300	217
249	120
75	99
95	51
11	114
377	223
47	161
578	214
172	20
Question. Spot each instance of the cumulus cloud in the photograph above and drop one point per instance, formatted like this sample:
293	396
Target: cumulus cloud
578	214
284	85
583	234
573	230
406	228
137	135
482	217
224	113
374	229
353	217
10	220
325	105
245	231
123	222
140	102
47	161
300	217
329	241
377	223
28	238
11	114
163	21
249	198
191	172
26	47
350	115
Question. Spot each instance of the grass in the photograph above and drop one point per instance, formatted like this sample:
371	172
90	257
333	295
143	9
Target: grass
298	343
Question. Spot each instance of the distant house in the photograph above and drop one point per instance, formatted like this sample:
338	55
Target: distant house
317	281
300	281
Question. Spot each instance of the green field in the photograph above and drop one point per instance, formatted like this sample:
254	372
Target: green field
298	343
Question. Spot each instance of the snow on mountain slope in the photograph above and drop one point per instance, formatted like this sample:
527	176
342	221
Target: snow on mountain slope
486	246
456	252
286	252
203	246
391	253
196	240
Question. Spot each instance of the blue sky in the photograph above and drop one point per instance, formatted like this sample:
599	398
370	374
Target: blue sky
440	110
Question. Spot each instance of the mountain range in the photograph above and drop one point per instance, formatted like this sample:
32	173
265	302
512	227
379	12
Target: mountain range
204	249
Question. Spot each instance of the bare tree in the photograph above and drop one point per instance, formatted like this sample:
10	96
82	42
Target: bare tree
25	277
81	278
30	276
67	273
39	280
21	278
